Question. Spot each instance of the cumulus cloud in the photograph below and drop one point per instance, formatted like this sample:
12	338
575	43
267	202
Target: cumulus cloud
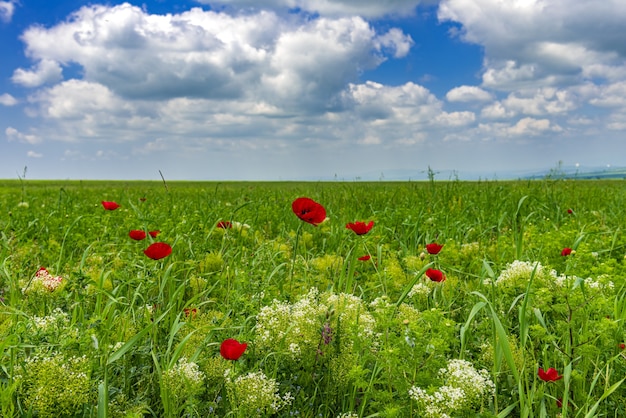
7	100
541	42
7	8
13	134
205	54
366	8
532	126
34	154
468	94
45	71
611	95
534	102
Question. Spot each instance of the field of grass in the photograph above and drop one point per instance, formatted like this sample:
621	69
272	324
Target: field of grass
521	312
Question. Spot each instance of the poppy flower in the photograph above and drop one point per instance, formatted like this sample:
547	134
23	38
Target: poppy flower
433	248
109	205
566	251
154	233
360	228
570	211
365	257
622	346
137	234
435	275
550	375
232	349
224	225
309	210
158	250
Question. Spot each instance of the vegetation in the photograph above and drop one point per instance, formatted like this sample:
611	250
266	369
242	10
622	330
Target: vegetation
262	311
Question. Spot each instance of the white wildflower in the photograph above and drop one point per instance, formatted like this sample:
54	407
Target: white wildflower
518	272
419	289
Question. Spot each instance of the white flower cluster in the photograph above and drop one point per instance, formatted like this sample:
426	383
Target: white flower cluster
299	327
475	383
518	272
419	289
238	226
43	282
352	310
255	391
297	324
381	303
189	371
589	283
465	389
348	415
57	318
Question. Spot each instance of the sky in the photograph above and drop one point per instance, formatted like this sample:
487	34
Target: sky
309	89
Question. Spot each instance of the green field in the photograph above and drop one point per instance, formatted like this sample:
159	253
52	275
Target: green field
335	324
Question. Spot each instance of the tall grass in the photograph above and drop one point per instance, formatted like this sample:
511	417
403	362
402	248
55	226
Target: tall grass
328	334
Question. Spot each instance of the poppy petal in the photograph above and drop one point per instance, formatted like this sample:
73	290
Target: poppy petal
309	210
137	234
232	349
158	250
109	205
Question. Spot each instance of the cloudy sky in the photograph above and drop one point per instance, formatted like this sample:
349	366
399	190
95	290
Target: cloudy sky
309	89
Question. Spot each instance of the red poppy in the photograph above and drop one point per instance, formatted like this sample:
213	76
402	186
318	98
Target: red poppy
433	248
137	234
550	375
365	257
622	346
309	210
224	224
110	205
158	250
232	349
154	233
566	251
360	228
570	211
435	275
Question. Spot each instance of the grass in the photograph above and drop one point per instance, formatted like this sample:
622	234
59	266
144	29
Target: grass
327	334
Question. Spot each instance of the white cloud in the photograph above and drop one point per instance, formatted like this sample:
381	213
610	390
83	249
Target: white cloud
294	64
496	111
455	118
46	71
7	8
532	127
7	100
366	8
13	134
468	94
611	95
510	75
545	43
33	154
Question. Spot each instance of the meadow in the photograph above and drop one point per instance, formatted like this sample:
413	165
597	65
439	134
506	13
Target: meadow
371	299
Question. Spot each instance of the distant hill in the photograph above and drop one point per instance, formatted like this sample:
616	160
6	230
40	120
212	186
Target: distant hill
560	172
581	173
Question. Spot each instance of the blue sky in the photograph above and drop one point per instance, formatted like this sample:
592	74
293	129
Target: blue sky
309	89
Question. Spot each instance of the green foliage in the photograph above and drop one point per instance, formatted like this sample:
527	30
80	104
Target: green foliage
110	332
